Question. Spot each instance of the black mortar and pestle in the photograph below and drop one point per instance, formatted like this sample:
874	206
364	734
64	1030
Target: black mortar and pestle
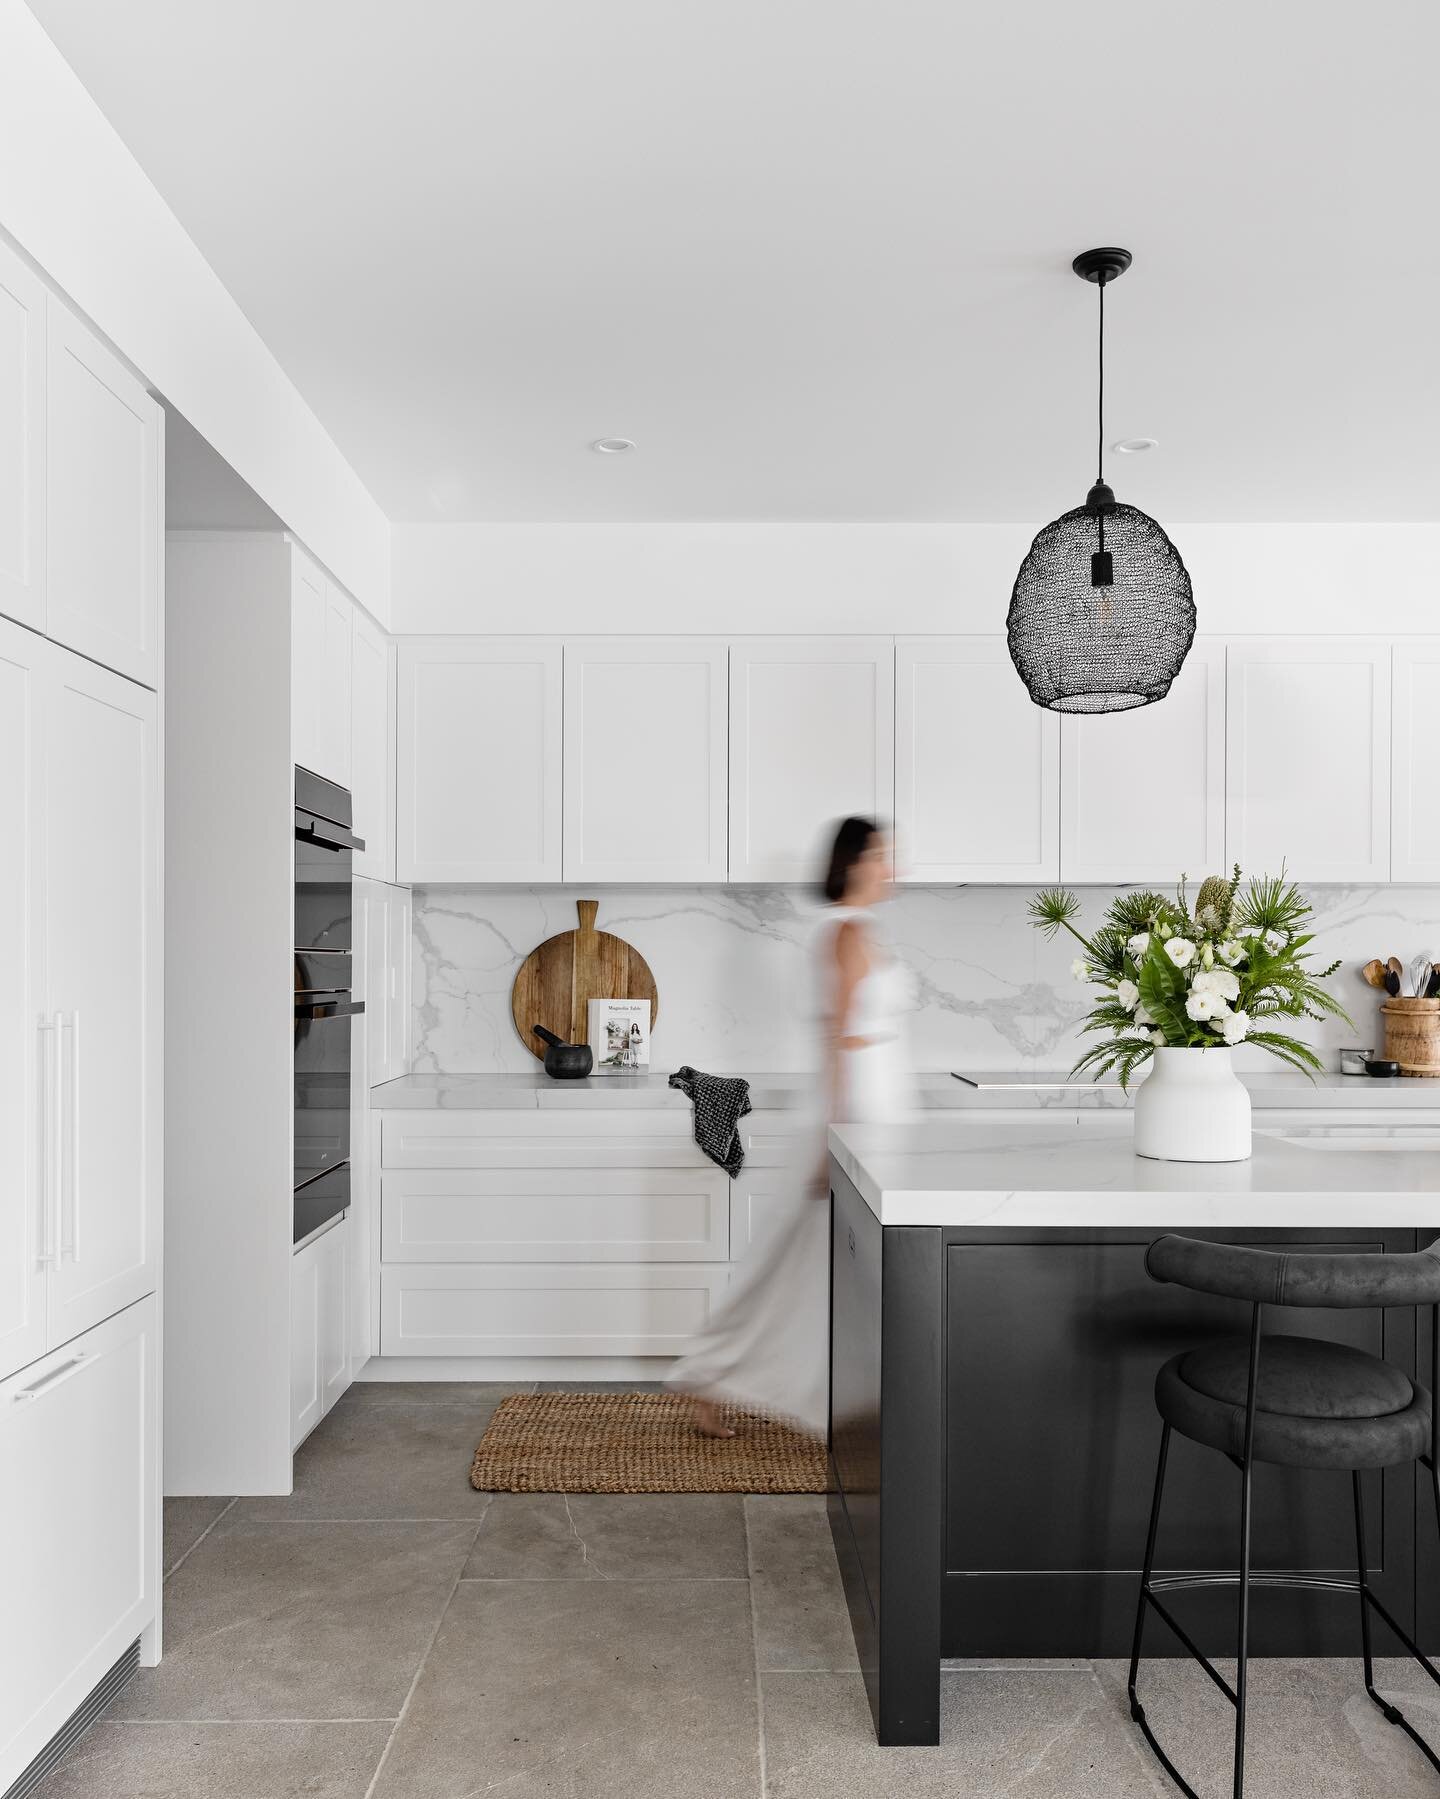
564	1061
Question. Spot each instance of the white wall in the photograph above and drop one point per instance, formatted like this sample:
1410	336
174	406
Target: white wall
78	203
901	578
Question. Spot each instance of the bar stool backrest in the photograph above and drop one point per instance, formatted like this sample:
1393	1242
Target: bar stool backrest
1270	1277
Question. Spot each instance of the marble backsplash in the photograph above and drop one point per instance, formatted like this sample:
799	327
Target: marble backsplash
731	970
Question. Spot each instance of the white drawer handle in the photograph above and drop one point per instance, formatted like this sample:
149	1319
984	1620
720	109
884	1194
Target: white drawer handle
51	1379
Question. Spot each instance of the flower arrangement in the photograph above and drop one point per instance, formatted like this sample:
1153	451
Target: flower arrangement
1206	977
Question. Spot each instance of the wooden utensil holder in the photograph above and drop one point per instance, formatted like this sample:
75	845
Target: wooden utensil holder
1412	1035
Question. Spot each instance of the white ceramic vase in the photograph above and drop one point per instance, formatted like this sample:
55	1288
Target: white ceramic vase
1192	1107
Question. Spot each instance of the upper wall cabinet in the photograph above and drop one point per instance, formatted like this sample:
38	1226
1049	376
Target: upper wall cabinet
1308	758
103	503
372	721
479	733
320	673
1416	762
977	766
22	443
812	738
1143	795
645	777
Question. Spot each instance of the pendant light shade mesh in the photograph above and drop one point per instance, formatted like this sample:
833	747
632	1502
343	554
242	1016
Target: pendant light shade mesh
1082	648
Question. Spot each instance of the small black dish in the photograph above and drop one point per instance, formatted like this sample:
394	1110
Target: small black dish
1381	1069
564	1061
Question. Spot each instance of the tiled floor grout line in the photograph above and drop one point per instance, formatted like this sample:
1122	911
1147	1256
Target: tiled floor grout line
224	1512
1141	1757
755	1651
420	1667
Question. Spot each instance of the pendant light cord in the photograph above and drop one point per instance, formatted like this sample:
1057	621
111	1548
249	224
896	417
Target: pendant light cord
1100	446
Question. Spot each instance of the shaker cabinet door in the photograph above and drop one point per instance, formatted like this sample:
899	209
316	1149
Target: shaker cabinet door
1416	761
103	503
812	739
334	745
645	723
307	662
371	716
1142	793
1308	757
22	443
479	732
977	765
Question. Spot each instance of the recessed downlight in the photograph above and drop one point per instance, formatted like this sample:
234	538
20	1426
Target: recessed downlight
1135	446
612	446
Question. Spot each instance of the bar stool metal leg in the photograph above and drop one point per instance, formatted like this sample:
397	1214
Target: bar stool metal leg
1392	1713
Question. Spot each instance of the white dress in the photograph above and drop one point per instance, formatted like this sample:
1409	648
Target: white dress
768	1345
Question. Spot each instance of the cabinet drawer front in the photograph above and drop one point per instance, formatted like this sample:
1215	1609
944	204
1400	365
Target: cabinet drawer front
561	1310
556	1215
539	1140
774	1139
78	1518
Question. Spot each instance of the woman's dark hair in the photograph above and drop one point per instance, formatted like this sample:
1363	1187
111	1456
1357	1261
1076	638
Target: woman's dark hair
853	836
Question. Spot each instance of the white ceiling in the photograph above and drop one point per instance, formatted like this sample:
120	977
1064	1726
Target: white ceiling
812	255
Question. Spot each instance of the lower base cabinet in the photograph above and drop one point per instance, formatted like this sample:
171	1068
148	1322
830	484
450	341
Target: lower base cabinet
319	1329
79	1509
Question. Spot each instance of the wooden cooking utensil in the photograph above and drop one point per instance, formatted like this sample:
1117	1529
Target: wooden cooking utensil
557	981
1396	967
1374	973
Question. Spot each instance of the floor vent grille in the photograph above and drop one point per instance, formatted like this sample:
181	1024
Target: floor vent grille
75	1726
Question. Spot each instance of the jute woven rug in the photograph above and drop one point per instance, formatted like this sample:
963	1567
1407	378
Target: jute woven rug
637	1443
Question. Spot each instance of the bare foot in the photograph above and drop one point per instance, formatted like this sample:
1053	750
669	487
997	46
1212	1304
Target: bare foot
708	1421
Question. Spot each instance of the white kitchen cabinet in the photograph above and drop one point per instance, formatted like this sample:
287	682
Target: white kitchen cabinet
479	733
335	696
977	765
26	1054
372	720
1142	793
812	739
101	953
79	1511
645	767
22	443
319	1329
79	995
103	503
383	945
1308	757
1415	849
529	1309
397	974
320	672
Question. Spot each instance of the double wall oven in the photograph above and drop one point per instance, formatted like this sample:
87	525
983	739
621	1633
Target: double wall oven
324	1001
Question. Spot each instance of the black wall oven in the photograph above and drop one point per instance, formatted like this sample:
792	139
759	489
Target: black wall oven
324	1002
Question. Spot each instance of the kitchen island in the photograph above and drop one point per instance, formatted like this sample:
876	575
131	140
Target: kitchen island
994	1344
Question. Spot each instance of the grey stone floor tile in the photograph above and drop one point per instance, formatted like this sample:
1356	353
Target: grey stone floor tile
433	1392
1021	1733
220	1761
186	1521
801	1620
1311	1732
385	1461
299	1621
584	1690
610	1536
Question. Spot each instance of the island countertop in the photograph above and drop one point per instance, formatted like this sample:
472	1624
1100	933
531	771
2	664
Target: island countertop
1080	1171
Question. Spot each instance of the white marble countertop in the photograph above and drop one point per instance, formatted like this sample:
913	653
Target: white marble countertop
985	1091
1084	1172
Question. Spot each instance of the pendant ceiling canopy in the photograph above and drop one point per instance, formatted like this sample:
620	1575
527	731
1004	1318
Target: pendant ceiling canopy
1101	614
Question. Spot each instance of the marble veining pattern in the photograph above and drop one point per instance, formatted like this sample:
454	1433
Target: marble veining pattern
730	966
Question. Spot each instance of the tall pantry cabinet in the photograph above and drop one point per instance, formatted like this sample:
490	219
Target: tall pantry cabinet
80	1013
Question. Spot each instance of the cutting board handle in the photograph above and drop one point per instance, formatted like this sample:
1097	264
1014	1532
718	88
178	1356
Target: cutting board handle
587	910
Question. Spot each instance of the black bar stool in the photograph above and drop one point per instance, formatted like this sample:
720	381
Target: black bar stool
1299	1402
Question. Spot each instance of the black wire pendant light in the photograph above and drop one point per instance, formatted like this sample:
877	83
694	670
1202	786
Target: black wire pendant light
1101	615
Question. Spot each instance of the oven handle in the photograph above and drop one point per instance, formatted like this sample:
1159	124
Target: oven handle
330	1008
338	839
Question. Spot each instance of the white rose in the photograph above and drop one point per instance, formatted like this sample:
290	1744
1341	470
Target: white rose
1181	951
1079	970
1128	995
1142	1017
1218	981
1138	945
1232	951
1235	1027
1203	1004
1158	1039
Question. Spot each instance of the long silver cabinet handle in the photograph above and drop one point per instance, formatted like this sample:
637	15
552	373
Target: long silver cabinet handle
53	1378
72	1145
49	1110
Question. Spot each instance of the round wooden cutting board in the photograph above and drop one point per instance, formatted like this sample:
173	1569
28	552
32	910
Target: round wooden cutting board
557	981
